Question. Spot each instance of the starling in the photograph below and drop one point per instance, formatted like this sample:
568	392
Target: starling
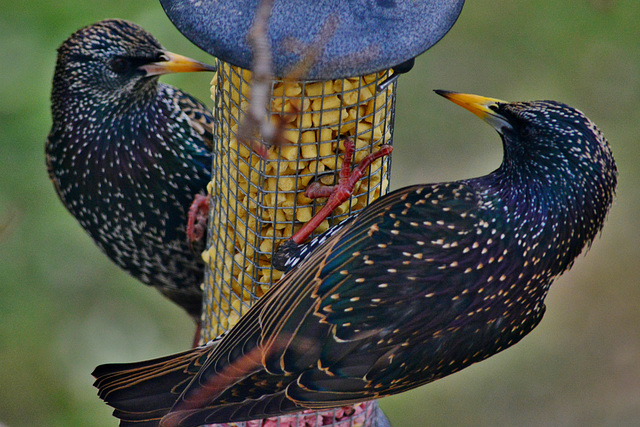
127	155
422	283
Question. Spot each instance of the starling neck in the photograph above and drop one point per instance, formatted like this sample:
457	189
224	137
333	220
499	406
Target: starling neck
76	97
550	202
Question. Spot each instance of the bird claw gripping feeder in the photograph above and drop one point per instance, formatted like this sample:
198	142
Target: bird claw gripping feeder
258	201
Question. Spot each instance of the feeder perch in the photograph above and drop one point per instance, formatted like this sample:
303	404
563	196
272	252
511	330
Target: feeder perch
259	202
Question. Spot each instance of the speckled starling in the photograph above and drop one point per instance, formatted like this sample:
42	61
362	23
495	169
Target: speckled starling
422	283
127	154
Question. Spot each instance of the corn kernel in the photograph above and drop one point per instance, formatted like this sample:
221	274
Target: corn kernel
319	88
286	183
304	179
328	118
364	94
304	121
325	148
309	151
292	89
289	152
266	246
369	78
324	226
292	135
304	214
342	85
326	135
333	163
350	98
277	275
326	103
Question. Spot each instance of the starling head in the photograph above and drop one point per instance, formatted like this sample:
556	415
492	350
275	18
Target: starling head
544	137
114	59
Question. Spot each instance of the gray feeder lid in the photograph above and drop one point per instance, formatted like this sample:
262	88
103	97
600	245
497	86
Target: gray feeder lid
371	35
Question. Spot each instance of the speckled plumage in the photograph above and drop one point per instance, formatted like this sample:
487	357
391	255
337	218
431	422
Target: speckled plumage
127	154
422	283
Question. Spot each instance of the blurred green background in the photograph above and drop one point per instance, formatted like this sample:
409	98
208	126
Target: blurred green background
64	308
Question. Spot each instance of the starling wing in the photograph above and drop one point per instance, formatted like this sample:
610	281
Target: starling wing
384	305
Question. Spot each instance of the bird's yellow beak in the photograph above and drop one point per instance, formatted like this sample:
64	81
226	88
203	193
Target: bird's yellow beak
175	64
481	106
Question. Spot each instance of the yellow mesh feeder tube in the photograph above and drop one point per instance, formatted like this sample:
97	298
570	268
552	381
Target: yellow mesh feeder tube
258	202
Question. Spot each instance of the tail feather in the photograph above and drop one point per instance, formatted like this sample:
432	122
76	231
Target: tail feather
143	392
266	406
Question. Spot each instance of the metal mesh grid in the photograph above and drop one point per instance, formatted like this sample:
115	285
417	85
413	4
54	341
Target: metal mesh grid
260	202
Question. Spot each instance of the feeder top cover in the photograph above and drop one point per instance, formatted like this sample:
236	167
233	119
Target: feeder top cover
368	36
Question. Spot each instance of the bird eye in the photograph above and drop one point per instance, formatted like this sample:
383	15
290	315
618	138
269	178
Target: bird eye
120	65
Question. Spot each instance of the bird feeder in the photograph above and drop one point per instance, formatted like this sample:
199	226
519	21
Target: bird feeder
349	89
